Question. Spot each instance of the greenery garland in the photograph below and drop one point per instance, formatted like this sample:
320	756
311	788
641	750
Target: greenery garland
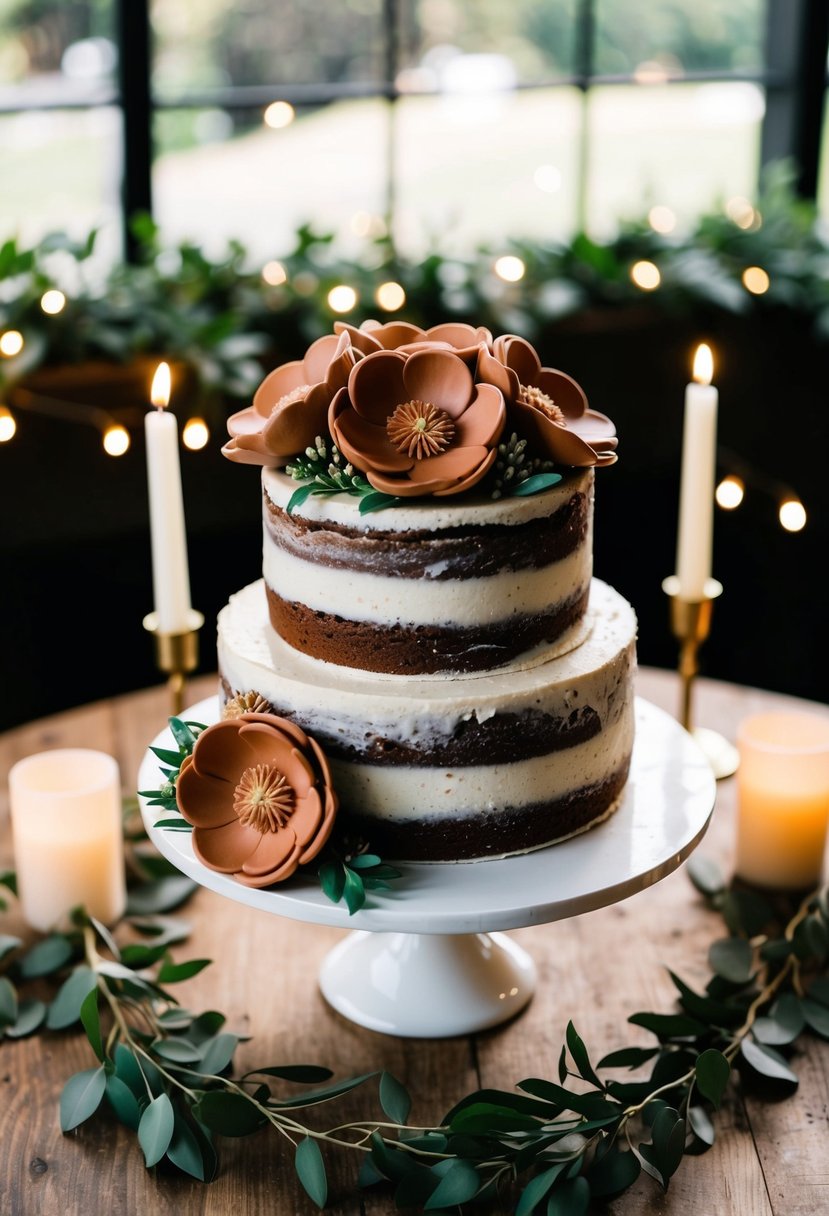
167	1073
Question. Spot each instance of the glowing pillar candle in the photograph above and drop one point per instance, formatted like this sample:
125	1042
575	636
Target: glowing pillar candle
171	579
696	495
67	834
782	799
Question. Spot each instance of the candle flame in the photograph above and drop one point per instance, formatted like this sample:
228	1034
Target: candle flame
160	391
703	364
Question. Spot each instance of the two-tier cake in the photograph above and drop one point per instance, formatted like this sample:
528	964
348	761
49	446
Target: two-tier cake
427	610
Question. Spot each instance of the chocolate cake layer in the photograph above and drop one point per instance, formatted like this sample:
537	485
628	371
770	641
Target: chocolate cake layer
453	553
424	649
490	833
500	739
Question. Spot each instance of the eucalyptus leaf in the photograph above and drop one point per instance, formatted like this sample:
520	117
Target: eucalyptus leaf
91	1022
174	973
783	1023
81	1096
123	1102
177	1051
8	1002
8	943
701	1125
712	1074
163	895
705	874
155	1129
65	1009
816	1015
31	1013
458	1185
191	1151
613	1173
46	957
217	1053
732	958
304	1073
571	1198
767	1061
628	1057
394	1098
537	1188
310	1169
579	1053
668	1025
229	1114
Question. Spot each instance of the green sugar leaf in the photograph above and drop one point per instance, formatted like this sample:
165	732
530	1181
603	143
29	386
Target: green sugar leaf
299	496
535	484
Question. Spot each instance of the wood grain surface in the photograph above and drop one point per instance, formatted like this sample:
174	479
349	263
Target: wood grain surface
769	1159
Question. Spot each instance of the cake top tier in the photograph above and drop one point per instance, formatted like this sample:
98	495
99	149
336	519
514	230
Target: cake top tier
392	412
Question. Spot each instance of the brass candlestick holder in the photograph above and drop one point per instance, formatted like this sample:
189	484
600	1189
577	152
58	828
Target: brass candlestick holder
176	654
690	625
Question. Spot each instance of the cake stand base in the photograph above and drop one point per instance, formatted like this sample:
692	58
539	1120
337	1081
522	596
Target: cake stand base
721	755
419	985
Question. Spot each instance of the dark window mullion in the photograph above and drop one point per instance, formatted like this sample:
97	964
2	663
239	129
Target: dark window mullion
797	40
136	108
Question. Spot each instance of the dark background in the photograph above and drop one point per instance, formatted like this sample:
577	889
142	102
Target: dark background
75	535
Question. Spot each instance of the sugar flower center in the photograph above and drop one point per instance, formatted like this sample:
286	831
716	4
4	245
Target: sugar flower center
296	394
264	798
530	395
419	429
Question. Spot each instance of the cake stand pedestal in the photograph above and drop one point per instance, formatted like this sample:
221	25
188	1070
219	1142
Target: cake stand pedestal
429	958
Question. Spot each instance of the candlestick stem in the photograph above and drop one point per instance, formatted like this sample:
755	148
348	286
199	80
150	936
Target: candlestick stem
176	654
691	625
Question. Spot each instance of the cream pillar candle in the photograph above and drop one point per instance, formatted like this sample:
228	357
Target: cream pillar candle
696	494
67	835
782	799
171	579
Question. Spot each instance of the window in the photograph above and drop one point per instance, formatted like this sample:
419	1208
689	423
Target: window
439	119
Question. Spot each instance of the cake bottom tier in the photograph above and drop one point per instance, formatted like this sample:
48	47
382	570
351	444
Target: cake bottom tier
456	768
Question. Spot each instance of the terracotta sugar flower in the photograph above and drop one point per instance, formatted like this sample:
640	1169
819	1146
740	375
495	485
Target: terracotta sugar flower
547	407
417	424
464	340
258	793
291	404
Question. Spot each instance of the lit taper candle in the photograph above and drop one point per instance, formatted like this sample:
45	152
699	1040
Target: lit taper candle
696	495
171	579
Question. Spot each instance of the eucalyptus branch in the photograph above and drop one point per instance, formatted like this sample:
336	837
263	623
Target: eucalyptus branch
168	1073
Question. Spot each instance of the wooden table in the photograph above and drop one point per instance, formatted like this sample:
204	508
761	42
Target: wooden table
596	969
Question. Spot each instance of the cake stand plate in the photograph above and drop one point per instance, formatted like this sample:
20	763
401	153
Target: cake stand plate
428	958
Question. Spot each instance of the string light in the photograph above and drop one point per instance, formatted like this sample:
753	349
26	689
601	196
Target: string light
730	492
342	298
274	274
740	211
645	275
8	426
195	434
756	280
116	440
390	296
279	114
792	514
509	268
11	343
661	219
52	302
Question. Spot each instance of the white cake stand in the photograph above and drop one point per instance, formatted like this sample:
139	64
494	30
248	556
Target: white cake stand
428	958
